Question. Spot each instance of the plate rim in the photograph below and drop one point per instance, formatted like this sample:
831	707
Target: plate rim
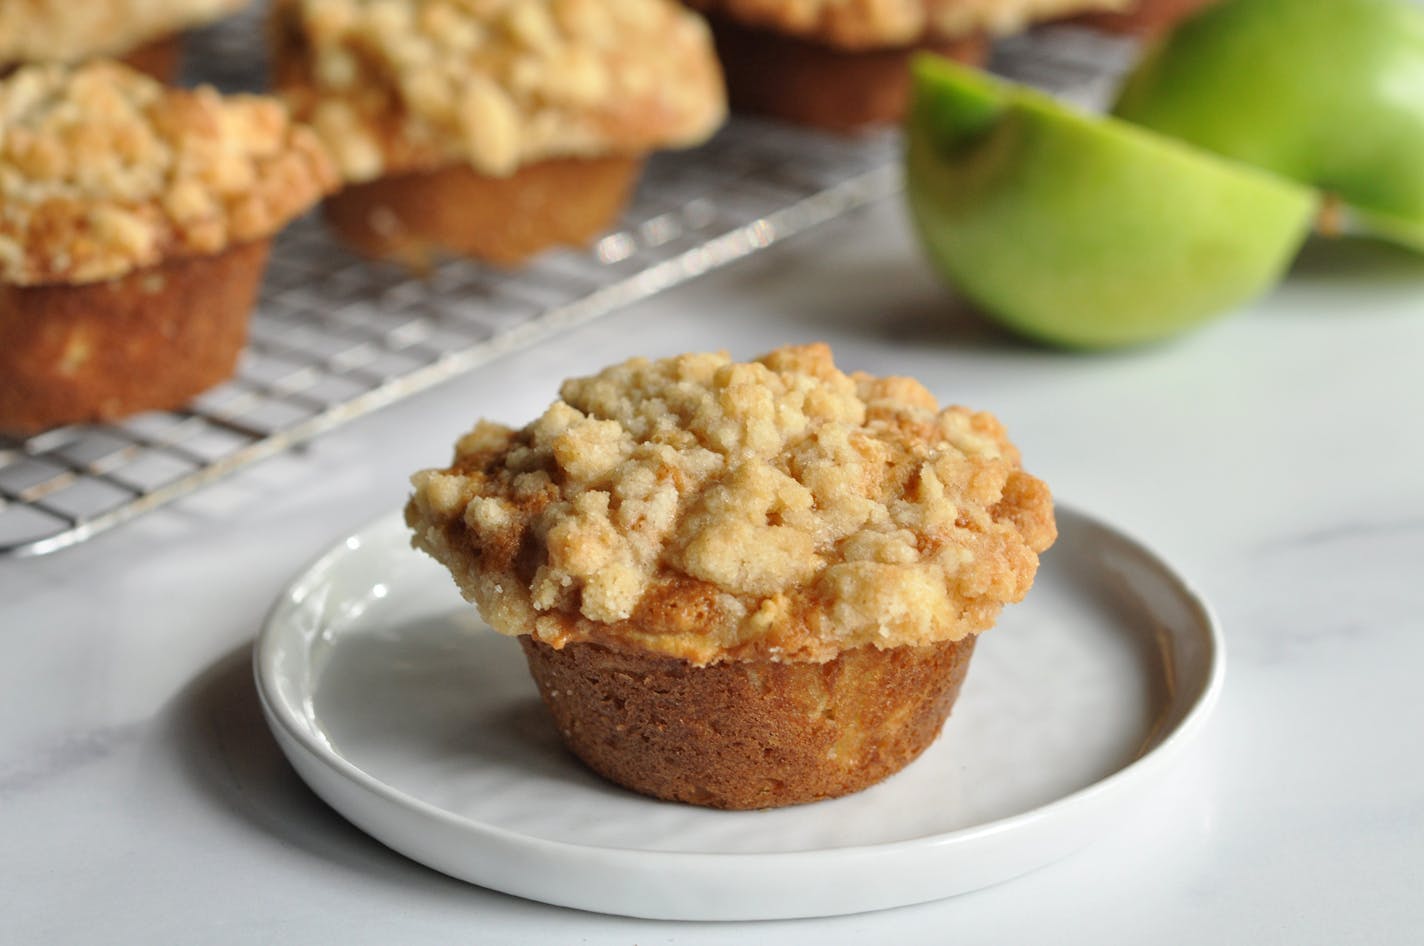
1160	750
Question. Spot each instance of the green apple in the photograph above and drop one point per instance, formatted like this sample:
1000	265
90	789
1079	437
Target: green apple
1326	92
1085	231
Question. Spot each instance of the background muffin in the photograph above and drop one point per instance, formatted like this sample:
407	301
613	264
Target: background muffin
741	585
493	130
843	64
135	229
142	33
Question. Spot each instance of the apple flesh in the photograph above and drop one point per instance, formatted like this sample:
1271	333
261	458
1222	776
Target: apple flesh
1330	94
1085	231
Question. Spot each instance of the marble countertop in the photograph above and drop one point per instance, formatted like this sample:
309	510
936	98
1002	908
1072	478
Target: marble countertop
1275	457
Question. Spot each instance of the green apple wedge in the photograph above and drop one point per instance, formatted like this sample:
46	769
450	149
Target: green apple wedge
1326	92
1083	231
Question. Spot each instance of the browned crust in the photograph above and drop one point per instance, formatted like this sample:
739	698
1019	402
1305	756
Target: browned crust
158	58
416	218
1148	18
748	734
818	85
145	341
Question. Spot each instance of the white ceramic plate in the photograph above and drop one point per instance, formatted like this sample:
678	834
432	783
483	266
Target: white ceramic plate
423	728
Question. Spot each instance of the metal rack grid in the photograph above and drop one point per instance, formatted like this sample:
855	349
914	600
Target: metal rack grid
335	337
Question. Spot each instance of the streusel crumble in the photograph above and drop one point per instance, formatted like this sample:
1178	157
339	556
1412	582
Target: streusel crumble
709	510
74	30
496	84
104	171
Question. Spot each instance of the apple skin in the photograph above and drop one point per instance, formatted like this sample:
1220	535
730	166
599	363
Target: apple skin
1083	231
1326	92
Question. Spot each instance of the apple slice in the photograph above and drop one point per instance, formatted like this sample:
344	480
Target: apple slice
1356	221
1330	94
1085	231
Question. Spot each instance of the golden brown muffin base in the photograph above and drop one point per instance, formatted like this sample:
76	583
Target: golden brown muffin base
158	58
1149	18
748	734
416	218
812	84
146	341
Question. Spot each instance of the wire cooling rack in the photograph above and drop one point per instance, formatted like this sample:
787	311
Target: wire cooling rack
335	337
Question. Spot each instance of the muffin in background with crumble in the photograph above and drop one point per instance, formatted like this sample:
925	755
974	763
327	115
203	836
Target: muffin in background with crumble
492	130
134	227
843	65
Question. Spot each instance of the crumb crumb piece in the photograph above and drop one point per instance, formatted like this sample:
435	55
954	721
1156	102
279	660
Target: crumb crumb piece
706	509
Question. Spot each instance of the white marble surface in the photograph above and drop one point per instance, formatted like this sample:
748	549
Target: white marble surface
1277	457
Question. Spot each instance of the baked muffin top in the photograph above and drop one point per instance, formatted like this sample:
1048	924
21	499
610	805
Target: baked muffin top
402	86
70	30
711	510
103	171
865	24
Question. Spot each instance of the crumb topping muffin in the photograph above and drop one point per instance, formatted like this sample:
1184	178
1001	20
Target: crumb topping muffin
708	510
496	84
865	24
104	171
55	30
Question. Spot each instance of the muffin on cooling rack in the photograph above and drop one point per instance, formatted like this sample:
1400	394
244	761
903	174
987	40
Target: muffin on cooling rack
740	585
142	33
134	232
842	65
492	130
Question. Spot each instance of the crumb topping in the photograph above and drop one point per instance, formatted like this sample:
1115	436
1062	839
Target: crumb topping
56	30
711	510
103	171
860	24
401	86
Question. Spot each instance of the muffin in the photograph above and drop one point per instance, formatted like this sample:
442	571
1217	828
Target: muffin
492	130
134	231
842	65
143	34
740	585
